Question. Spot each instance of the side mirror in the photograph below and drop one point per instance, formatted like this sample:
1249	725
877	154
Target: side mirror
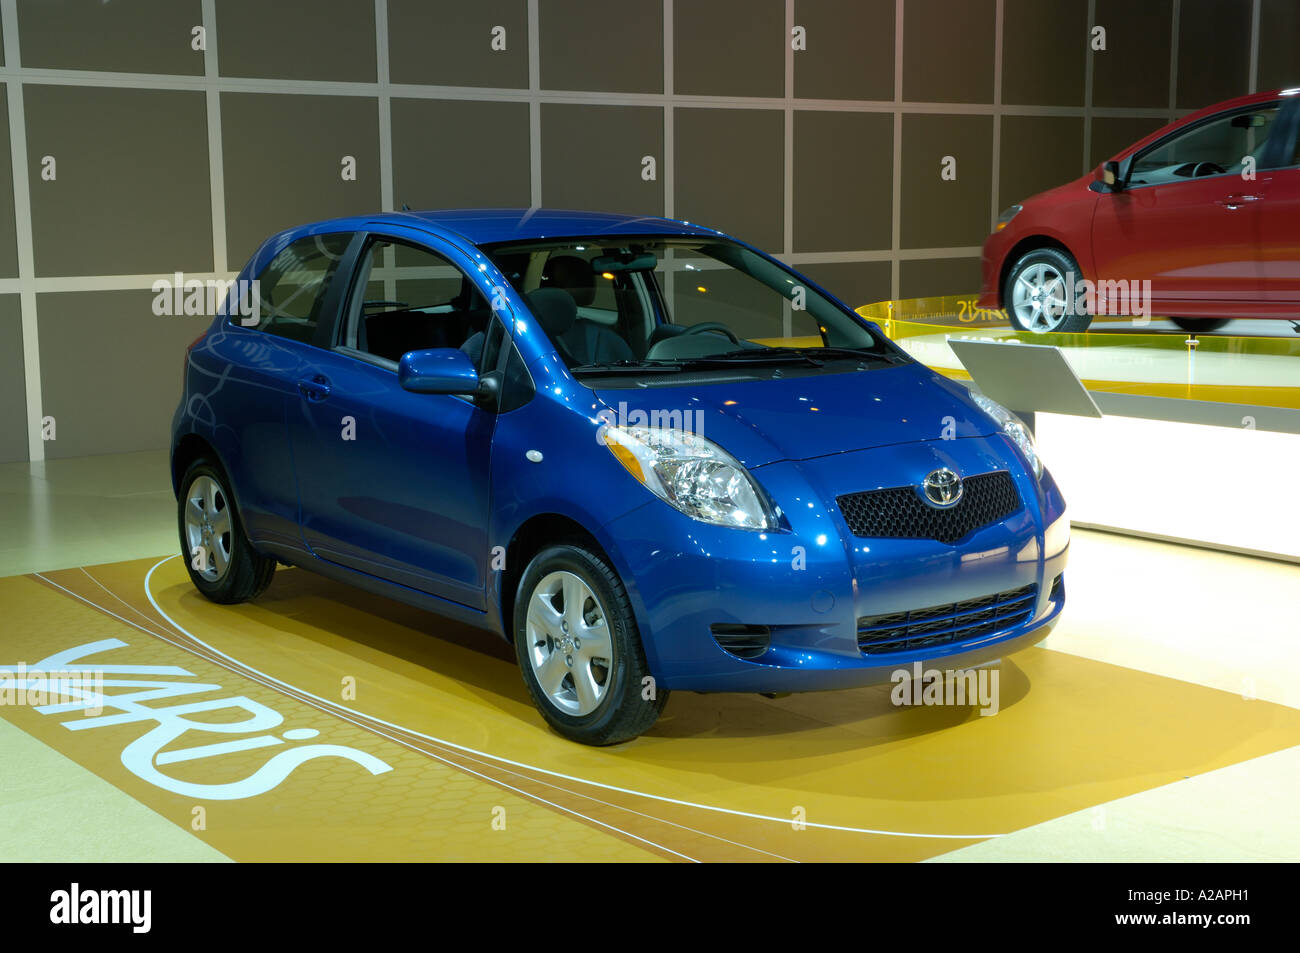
1109	175
439	370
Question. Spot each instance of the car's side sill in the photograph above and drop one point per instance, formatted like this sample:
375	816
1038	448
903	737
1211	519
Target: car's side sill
380	587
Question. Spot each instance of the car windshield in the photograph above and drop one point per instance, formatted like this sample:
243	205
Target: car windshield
621	305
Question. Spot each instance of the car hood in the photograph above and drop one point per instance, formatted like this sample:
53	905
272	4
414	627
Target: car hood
798	418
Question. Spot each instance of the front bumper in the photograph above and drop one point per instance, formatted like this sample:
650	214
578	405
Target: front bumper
811	583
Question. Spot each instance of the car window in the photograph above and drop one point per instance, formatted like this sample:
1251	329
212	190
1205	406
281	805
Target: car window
1221	146
293	287
408	298
675	299
620	305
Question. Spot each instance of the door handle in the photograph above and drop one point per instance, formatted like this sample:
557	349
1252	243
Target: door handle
317	389
1237	201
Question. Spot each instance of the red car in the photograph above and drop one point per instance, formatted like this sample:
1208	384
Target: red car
1199	221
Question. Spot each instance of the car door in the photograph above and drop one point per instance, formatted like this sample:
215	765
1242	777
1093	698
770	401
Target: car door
1188	218
1279	213
297	295
393	483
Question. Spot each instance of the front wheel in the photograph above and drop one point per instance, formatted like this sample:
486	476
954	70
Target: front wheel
579	651
1200	325
1042	293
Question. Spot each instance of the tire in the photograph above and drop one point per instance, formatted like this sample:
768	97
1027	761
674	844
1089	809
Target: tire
207	517
1200	325
1041	277
592	694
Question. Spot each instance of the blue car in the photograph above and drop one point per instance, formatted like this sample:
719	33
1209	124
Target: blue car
650	455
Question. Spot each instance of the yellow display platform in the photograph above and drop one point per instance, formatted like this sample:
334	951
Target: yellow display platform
406	737
1262	371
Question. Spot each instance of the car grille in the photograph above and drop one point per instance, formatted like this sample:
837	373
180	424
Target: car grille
900	513
939	625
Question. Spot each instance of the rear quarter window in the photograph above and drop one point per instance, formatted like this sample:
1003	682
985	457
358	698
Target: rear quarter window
294	286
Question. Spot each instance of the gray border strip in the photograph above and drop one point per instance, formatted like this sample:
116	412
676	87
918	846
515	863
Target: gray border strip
787	172
896	175
1174	26
1087	88
999	16
216	154
534	105
23	237
387	199
1255	16
66	77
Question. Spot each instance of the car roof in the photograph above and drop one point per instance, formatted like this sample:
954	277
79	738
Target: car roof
486	226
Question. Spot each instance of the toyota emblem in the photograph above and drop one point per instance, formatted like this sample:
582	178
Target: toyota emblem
942	488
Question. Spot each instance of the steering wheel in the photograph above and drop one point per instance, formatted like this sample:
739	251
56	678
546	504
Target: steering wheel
714	326
1207	168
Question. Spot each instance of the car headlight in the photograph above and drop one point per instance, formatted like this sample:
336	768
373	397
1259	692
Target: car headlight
1014	428
693	474
1007	215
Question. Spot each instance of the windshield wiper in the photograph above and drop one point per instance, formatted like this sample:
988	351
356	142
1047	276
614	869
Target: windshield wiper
817	356
626	367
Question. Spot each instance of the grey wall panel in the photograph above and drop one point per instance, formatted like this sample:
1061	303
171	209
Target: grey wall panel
939	276
939	213
1213	51
13	390
1111	135
142	36
1038	153
843	180
850	49
459	154
730	168
297	39
448	43
1279	44
948	51
1044	50
8	235
130	192
283	158
593	157
729	48
1133	70
854	282
110	370
584	47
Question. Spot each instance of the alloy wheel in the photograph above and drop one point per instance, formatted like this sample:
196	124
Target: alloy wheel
1038	297
569	643
208	528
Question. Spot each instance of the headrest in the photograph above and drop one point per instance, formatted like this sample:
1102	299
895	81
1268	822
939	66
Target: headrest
554	309
574	275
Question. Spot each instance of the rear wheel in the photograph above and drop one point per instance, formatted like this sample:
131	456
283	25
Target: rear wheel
1041	293
221	562
579	651
1200	325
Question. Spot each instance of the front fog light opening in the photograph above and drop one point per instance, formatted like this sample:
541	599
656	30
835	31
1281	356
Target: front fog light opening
746	642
